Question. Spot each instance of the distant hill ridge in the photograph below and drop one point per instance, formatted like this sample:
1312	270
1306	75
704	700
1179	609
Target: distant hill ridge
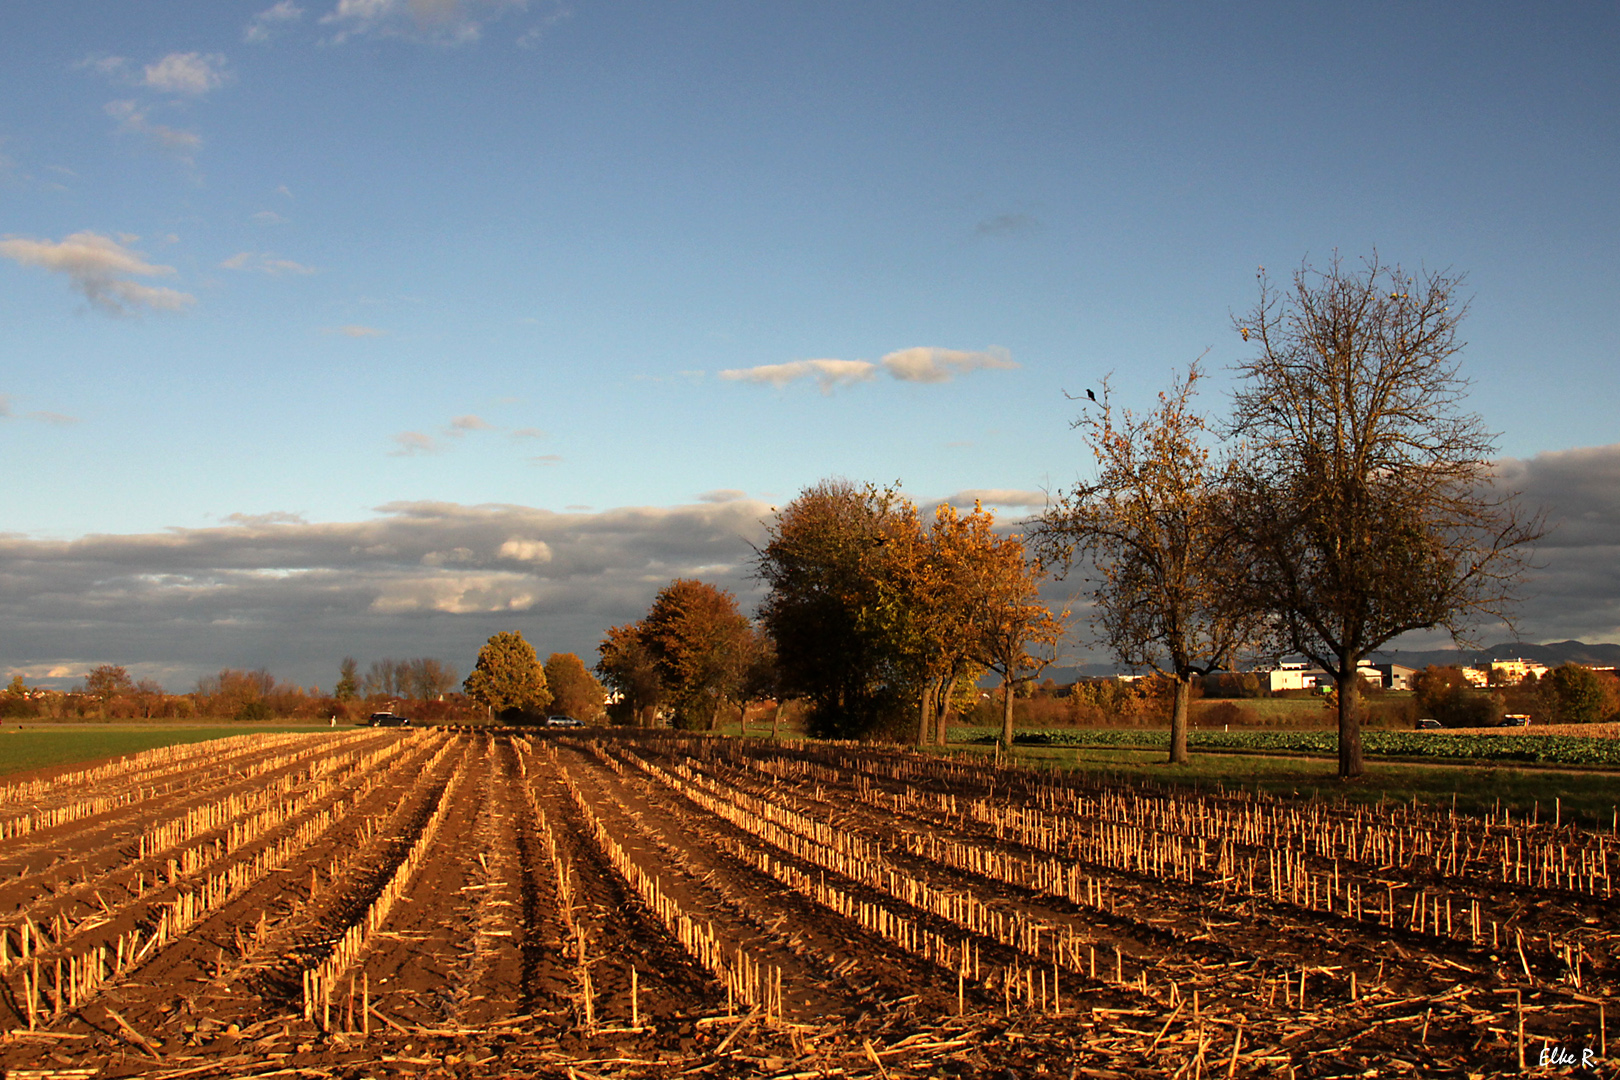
1603	654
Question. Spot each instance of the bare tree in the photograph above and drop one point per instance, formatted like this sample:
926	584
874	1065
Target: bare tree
1367	489
1156	530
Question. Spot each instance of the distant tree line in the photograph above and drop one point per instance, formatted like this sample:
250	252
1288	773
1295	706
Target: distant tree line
1347	499
509	685
1568	694
877	624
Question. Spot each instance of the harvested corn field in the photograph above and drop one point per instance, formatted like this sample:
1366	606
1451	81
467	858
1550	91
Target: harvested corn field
494	903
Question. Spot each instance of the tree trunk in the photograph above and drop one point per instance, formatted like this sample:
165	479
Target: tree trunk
1178	721
925	714
1350	761
1006	714
942	709
776	721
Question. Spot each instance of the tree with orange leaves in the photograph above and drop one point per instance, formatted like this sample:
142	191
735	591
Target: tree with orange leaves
1154	527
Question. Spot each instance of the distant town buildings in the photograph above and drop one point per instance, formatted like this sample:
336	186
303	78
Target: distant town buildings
1513	672
1300	675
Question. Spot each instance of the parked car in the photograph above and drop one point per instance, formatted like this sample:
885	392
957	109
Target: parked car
563	721
1426	724
1515	720
388	719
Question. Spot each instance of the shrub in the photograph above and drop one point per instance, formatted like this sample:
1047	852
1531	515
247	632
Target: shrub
1231	684
1224	714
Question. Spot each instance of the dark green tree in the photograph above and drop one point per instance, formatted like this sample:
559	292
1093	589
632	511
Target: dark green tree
348	684
1575	692
840	638
1444	694
630	669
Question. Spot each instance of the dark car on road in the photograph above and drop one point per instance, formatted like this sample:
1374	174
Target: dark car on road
388	719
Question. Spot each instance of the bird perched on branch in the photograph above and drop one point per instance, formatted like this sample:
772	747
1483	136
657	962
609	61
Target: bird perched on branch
1091	395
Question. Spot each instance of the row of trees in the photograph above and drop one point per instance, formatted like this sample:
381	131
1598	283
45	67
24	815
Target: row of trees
693	656
877	617
1353	502
422	679
1568	694
109	692
511	685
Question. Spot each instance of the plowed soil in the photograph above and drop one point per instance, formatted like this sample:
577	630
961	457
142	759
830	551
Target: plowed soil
823	911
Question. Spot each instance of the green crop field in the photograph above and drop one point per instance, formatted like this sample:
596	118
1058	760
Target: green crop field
1571	750
41	746
1570	776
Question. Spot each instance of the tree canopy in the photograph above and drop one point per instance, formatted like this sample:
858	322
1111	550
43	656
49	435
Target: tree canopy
1366	489
826	557
874	616
689	653
1159	542
508	679
573	691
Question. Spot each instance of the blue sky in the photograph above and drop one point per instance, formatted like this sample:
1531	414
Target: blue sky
277	271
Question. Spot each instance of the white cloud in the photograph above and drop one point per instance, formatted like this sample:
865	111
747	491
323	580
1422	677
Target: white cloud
461	425
412	443
1009	497
447	22
187	73
921	364
132	120
531	38
56	418
264	264
274	517
355	331
722	495
457	594
530	551
528	433
268	217
100	268
932	365
267	23
828	374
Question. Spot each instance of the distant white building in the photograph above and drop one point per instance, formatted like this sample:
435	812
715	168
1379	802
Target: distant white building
1393	676
1301	675
1296	675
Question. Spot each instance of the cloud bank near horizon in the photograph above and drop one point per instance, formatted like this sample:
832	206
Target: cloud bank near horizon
436	579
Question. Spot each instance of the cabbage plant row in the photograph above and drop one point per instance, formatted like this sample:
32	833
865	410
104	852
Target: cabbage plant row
1546	749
